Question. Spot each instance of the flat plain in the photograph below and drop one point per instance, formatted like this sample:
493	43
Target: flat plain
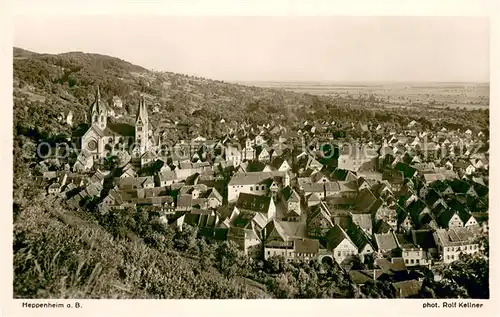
453	95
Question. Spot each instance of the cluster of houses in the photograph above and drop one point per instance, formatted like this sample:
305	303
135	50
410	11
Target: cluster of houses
395	204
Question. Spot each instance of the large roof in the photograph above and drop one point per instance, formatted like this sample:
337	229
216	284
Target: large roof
253	203
252	178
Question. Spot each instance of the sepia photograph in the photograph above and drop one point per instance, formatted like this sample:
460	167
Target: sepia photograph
224	157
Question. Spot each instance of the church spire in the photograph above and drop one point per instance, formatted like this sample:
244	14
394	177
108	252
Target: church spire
98	93
97	100
98	112
142	112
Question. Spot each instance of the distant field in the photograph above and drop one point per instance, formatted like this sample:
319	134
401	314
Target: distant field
456	95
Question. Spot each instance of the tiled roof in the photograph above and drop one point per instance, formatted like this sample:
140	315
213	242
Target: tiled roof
358	236
273	230
289	195
253	177
432	177
335	236
253	202
454	236
306	246
364	220
313	188
364	276
409	288
365	200
405	241
385	241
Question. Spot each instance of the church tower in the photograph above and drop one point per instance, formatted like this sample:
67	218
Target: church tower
142	127
98	112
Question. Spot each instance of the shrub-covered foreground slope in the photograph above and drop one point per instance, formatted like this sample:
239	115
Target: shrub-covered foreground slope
62	256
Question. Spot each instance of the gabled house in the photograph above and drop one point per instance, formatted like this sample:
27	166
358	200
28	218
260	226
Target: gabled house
262	154
280	164
292	203
313	199
394	177
343	175
363	221
464	167
245	230
420	214
287	239
433	199
452	242
319	221
387	214
450	218
412	254
258	204
256	183
385	243
360	238
276	241
232	155
166	178
432	177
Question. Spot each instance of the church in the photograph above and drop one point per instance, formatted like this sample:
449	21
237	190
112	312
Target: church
104	138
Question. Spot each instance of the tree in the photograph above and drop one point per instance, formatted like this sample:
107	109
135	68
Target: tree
185	238
230	260
284	286
207	254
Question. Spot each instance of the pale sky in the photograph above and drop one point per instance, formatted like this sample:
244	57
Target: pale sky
450	49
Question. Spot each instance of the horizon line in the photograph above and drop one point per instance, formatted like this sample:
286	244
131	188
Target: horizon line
277	81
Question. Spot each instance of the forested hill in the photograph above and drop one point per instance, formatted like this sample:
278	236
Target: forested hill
47	87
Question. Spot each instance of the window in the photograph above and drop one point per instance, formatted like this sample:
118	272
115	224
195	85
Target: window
406	261
406	253
418	261
268	252
448	257
412	261
452	257
263	187
338	253
251	188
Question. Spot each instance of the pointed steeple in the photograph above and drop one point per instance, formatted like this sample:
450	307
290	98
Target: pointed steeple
98	111
97	100
142	112
98	94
